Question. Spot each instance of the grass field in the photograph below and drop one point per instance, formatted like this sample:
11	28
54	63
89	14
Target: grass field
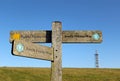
69	74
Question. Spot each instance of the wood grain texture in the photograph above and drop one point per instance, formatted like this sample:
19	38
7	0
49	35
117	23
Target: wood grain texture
67	36
56	64
33	36
33	50
80	37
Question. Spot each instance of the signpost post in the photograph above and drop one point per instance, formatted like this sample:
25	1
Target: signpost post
23	44
56	64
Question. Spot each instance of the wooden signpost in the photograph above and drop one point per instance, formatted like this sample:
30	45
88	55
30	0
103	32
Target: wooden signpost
23	44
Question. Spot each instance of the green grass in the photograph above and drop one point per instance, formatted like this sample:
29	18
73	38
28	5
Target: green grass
69	74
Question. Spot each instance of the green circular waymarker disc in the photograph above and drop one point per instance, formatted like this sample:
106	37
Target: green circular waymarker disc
96	36
19	47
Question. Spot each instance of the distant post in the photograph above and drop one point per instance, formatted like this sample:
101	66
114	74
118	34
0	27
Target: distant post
56	64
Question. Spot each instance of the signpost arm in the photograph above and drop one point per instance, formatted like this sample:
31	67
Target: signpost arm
56	64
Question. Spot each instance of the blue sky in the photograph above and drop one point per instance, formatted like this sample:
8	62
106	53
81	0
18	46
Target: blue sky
101	15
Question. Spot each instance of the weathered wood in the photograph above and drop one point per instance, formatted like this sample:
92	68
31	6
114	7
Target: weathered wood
33	36
23	44
81	37
28	49
46	36
56	64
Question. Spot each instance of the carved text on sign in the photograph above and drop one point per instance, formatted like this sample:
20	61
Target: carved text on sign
67	36
28	49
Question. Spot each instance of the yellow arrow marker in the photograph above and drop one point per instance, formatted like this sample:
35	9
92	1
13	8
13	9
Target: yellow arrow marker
16	36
